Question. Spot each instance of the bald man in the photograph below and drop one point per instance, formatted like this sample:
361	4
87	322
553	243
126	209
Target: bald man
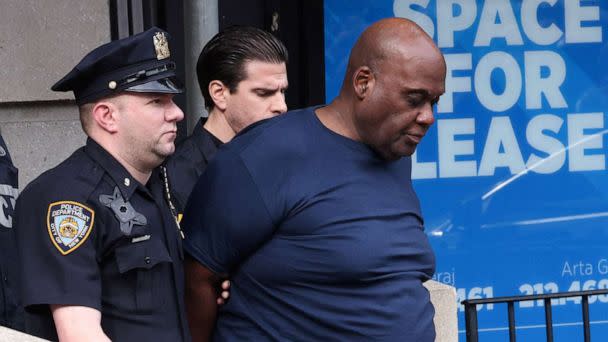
326	240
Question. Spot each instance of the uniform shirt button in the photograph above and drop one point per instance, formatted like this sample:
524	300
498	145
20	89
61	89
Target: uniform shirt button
147	260
127	182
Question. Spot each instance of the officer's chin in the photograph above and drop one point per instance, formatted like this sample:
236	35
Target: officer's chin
169	150
163	153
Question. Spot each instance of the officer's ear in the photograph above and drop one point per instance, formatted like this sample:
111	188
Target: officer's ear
219	93
104	114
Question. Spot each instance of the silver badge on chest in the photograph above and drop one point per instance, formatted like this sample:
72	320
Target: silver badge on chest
124	211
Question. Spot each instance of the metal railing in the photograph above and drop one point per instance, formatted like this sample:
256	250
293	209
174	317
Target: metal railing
470	312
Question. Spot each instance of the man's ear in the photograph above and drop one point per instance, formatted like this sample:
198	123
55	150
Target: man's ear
363	82
105	114
219	93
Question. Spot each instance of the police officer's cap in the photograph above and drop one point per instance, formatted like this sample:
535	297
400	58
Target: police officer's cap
139	63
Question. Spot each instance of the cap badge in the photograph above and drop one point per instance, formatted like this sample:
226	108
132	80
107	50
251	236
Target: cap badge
161	45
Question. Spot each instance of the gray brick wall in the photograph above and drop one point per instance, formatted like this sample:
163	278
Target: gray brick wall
40	41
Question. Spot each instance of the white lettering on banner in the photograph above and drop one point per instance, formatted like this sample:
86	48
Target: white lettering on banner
548	86
483	81
575	15
536	289
577	269
456	147
452	16
448	278
579	142
602	266
534	31
454	84
448	22
406	11
547	144
497	21
7	191
527	289
535	84
552	287
475	293
450	148
501	136
423	170
499	79
569	270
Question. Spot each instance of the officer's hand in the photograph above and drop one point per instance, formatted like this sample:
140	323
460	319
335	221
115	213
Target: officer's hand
225	293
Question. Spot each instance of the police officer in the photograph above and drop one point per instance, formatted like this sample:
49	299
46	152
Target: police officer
100	249
10	313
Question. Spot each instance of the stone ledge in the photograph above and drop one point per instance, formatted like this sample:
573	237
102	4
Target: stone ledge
10	335
443	298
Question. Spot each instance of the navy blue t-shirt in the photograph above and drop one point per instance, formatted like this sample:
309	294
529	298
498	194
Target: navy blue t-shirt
323	239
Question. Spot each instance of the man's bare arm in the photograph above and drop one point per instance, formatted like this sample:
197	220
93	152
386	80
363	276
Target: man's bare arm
201	299
78	323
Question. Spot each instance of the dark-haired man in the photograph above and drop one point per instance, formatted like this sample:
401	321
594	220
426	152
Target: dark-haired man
313	214
242	74
100	249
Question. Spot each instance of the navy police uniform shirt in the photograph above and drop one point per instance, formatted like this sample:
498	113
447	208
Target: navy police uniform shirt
188	162
10	314
91	235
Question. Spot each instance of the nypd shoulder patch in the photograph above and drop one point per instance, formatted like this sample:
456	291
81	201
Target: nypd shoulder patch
69	224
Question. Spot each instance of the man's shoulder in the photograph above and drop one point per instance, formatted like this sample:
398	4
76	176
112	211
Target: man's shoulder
283	131
293	120
278	143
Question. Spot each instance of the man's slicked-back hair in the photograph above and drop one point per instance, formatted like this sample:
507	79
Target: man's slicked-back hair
223	58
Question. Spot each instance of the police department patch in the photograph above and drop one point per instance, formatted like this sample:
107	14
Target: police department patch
69	224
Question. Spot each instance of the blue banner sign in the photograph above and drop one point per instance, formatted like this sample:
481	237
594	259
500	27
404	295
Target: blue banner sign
512	177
